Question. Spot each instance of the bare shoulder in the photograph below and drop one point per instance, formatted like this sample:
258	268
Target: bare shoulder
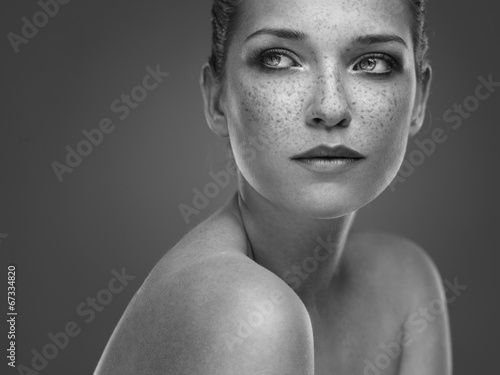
397	265
406	277
204	310
391	258
398	247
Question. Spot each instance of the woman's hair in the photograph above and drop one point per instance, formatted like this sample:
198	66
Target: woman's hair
225	19
226	16
419	33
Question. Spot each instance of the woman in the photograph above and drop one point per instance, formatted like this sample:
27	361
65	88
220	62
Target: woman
318	99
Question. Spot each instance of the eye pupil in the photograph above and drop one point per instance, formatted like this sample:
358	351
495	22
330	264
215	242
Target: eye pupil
368	64
273	60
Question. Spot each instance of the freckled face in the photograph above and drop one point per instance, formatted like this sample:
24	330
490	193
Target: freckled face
319	81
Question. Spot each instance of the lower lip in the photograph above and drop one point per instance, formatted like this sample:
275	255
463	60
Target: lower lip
330	165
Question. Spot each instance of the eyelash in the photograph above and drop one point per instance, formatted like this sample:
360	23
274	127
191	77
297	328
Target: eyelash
393	64
260	54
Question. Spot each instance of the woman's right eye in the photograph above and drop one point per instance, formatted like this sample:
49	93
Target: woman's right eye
277	60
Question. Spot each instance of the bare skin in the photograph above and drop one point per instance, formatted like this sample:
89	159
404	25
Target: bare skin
186	318
274	283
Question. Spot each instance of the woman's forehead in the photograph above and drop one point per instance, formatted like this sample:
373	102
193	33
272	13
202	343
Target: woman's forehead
327	18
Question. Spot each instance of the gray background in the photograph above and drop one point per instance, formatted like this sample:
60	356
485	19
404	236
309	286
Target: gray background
119	208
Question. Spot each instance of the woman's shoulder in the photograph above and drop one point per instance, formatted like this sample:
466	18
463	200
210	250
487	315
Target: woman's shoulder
212	257
222	234
396	265
206	305
402	276
212	263
389	250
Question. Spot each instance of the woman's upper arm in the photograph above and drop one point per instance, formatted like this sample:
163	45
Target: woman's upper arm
215	318
427	343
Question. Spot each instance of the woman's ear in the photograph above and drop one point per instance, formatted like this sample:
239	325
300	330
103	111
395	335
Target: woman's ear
420	105
211	90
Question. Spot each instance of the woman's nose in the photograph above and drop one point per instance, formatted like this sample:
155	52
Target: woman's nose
328	105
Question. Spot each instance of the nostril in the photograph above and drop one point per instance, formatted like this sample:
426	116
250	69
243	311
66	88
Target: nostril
344	123
318	121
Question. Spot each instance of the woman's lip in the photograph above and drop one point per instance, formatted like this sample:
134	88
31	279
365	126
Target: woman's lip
328	165
329	152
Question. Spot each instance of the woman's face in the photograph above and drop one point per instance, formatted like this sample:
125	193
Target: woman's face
308	73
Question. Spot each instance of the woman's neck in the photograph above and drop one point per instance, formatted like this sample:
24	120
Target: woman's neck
304	252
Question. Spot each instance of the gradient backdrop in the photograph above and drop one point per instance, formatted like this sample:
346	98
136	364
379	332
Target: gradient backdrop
119	207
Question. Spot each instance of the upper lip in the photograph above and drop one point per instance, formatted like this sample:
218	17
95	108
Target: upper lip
324	151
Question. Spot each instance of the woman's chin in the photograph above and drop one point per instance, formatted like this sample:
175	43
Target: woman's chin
325	207
318	201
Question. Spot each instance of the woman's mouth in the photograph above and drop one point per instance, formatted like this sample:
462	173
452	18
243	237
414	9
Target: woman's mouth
327	159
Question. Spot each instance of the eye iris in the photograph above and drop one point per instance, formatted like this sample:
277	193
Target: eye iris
273	60
368	64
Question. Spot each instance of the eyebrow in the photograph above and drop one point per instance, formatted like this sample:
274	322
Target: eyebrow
380	38
280	33
292	34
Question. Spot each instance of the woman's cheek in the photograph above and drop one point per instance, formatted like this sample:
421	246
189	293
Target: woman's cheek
266	115
386	112
391	129
264	122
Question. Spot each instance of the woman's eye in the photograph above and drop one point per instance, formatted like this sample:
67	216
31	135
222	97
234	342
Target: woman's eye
277	60
376	65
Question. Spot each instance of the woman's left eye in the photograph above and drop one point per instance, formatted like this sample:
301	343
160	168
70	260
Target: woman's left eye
380	64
